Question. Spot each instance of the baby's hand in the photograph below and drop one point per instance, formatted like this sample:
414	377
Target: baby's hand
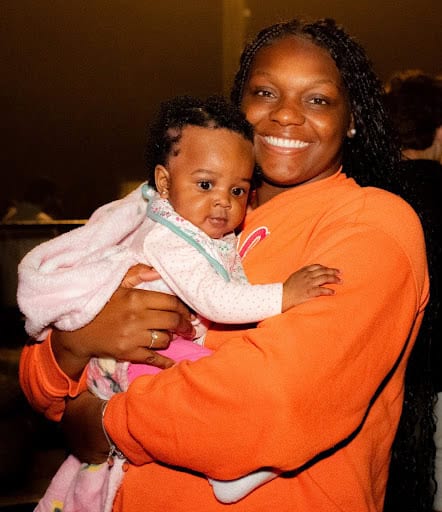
307	283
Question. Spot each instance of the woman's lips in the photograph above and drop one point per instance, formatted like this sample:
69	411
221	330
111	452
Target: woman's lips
284	143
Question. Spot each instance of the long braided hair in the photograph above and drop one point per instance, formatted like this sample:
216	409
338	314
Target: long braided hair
372	158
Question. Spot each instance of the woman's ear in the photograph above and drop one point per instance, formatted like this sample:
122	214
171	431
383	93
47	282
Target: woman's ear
351	132
162	180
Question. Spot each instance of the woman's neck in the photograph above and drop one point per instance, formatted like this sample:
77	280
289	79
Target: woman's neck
266	192
268	189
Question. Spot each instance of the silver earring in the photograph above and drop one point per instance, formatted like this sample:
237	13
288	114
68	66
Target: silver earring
351	133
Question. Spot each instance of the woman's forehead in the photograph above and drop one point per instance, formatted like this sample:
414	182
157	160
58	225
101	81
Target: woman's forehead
296	56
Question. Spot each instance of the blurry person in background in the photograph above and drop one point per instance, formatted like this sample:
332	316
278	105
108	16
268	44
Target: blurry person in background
40	202
414	101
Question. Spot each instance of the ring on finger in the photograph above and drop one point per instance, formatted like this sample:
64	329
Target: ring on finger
154	335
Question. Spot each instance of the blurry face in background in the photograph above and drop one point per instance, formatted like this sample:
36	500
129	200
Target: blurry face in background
296	101
208	181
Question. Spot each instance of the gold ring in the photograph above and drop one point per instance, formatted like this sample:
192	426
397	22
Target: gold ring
153	338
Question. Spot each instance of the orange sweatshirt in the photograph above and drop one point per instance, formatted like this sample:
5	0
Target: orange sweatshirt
316	391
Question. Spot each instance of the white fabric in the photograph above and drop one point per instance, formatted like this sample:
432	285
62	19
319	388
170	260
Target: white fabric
231	491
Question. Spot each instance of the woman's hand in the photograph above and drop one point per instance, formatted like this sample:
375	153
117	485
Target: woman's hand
123	328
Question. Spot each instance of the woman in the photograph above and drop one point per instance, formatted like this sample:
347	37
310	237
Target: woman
315	393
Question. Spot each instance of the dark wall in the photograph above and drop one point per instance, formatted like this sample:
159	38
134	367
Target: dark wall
81	78
397	34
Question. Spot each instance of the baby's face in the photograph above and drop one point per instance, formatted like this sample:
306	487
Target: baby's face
208	182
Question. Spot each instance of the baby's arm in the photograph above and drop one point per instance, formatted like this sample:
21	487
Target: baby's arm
192	278
212	293
307	283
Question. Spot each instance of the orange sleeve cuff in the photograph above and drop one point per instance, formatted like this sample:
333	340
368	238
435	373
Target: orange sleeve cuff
56	376
43	382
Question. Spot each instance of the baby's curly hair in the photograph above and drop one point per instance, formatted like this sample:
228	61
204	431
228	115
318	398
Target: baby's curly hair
175	114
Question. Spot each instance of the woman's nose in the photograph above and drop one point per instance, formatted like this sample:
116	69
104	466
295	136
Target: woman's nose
288	112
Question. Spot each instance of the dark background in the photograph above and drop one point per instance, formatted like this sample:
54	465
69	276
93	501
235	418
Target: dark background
80	78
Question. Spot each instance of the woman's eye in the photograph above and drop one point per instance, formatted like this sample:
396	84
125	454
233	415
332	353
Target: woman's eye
238	191
264	93
205	185
318	101
258	90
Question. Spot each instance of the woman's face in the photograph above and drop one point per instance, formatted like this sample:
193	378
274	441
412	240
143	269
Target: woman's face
295	99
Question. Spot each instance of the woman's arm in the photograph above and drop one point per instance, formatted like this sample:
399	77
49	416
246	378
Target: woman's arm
52	370
303	380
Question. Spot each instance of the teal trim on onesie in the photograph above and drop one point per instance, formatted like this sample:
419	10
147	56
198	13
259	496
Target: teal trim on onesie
190	240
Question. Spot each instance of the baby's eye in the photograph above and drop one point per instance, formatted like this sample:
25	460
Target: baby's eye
238	191
205	185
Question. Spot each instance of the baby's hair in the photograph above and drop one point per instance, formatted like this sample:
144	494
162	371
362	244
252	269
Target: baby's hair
175	114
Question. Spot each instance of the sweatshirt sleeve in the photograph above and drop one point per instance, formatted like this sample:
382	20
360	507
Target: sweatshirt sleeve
44	383
299	384
191	277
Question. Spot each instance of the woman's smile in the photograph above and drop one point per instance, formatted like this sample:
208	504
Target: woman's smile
287	145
